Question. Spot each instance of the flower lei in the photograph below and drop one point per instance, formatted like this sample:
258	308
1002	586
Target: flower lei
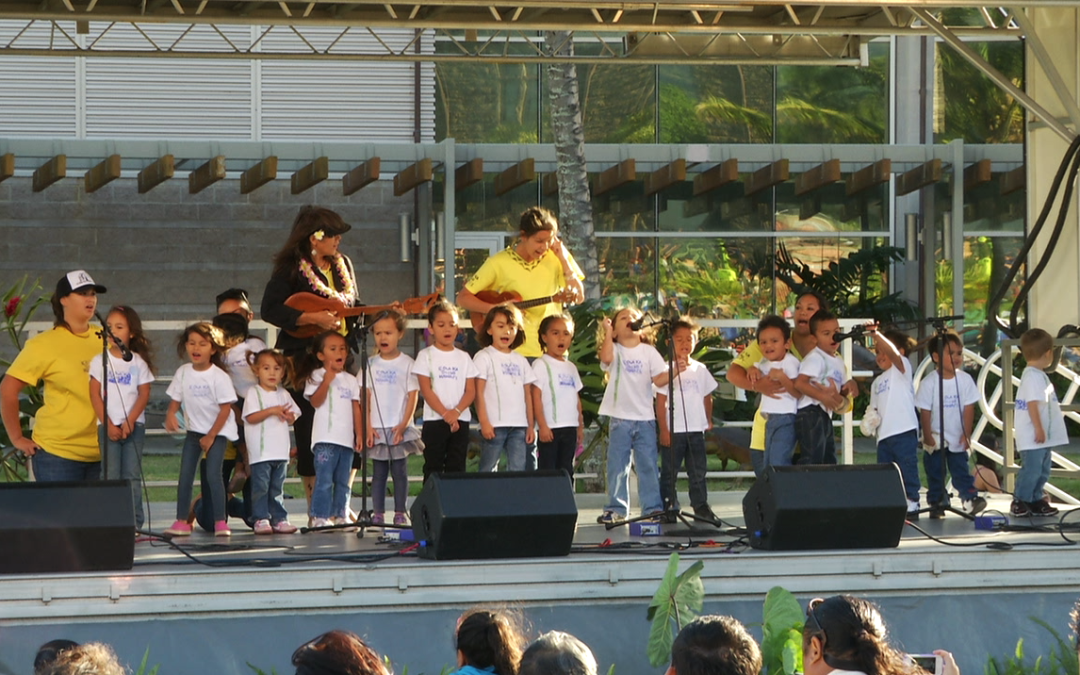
347	296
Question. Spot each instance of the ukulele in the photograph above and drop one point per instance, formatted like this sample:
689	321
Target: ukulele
309	302
477	318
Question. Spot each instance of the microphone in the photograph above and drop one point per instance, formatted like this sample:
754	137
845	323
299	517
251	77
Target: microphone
855	332
637	324
125	353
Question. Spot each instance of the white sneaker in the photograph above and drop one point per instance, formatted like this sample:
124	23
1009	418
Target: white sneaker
263	527
321	522
912	506
974	506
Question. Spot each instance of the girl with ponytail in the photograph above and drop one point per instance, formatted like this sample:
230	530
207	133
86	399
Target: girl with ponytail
847	634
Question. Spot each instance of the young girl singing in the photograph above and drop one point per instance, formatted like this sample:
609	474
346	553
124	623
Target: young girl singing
268	412
447	380
633	366
204	393
503	404
122	431
556	404
392	398
335	433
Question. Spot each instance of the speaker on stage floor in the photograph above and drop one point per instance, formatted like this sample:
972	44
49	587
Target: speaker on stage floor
495	515
795	508
66	527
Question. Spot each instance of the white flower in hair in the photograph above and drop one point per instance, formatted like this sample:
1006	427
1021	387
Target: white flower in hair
318	234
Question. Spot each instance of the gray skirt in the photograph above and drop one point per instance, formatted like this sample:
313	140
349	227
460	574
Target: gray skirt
410	444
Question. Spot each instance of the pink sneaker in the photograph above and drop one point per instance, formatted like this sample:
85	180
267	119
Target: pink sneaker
221	529
263	527
179	529
284	527
400	519
377	519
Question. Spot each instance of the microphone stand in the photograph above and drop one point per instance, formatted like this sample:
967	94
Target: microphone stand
105	334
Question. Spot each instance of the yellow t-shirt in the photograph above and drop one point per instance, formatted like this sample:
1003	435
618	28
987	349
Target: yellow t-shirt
66	425
750	357
506	271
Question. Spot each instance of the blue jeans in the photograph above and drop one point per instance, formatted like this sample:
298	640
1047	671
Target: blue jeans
957	465
189	463
124	459
779	439
234	506
267	481
903	451
638	436
758	461
691	447
816	436
510	439
1034	472
49	468
333	464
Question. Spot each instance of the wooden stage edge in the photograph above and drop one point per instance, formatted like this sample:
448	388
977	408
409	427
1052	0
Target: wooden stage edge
339	572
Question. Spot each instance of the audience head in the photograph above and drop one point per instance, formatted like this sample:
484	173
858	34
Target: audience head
714	645
48	652
488	638
92	658
234	301
557	653
337	652
847	633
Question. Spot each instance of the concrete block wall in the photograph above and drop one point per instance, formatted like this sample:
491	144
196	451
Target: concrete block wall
168	253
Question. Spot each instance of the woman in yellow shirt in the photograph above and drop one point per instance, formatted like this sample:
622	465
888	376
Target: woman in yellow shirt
64	445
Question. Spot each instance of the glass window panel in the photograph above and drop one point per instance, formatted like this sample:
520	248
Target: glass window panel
716	104
830	104
623	209
829	209
486	103
987	210
627	270
968	105
618	102
479	209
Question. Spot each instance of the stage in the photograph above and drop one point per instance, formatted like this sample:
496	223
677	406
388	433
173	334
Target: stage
217	604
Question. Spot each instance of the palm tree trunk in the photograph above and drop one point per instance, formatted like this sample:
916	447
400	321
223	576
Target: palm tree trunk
575	204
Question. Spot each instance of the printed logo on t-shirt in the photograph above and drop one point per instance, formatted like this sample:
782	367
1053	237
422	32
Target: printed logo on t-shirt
447	372
882	385
200	390
566	380
384	376
1021	405
120	378
634	366
952	400
511	369
344	393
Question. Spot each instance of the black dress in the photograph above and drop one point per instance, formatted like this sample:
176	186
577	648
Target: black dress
274	310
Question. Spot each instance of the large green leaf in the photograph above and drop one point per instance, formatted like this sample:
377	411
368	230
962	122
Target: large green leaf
676	602
782	623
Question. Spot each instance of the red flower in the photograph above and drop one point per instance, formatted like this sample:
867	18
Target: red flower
12	307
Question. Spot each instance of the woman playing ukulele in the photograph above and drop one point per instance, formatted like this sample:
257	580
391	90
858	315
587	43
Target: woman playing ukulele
537	266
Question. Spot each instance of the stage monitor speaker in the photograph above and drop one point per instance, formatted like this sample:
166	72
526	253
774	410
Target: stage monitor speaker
66	527
801	508
461	516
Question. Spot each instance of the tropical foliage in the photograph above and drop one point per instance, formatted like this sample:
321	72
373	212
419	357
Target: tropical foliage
20	302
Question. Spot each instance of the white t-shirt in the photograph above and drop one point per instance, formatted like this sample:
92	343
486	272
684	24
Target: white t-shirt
125	378
505	377
448	372
786	403
243	377
268	440
822	368
893	394
927	399
389	384
691	387
334	421
629	391
201	395
559	383
1036	386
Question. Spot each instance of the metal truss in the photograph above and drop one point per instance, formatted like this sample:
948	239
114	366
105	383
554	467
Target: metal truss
665	31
